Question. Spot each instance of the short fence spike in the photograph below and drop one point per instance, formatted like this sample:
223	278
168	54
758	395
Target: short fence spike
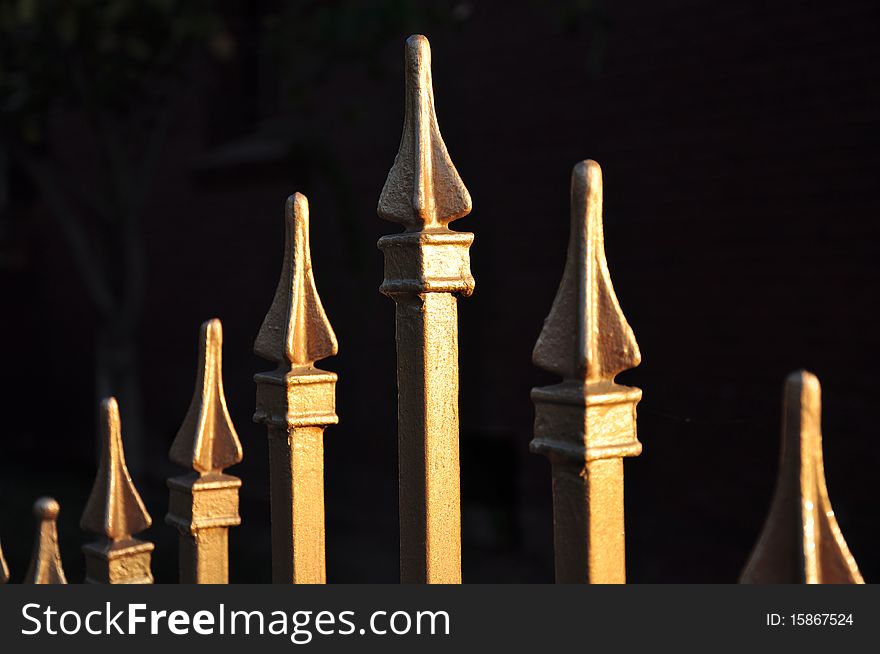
801	541
45	567
426	267
204	504
115	512
587	424
296	402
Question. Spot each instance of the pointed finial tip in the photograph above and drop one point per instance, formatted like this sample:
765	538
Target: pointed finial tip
296	330
109	406
46	508
207	440
45	566
423	190
297	206
418	45
586	334
111	425
586	180
802	389
588	169
4	567
114	507
213	329
803	378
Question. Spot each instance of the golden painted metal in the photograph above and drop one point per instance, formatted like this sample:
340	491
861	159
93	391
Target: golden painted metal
45	567
204	504
4	568
296	402
801	542
587	424
115	512
426	267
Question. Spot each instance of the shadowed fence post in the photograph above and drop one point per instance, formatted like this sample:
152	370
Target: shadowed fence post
426	267
204	504
587	424
801	542
115	511
45	567
296	402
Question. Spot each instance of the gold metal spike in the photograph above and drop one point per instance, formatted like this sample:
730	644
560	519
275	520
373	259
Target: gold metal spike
207	441
115	512
586	335
296	402
423	189
296	331
45	567
587	424
204	504
4	568
801	542
426	267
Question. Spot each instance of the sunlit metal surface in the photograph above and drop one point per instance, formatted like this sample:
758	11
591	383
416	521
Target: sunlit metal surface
296	402
204	504
45	567
4	568
587	424
426	268
801	541
115	512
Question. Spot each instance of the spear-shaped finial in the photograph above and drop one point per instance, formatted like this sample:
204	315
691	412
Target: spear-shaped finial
296	401
587	424
115	512
586	335
801	541
115	508
427	267
207	440
296	331
4	568
204	504
45	567
423	190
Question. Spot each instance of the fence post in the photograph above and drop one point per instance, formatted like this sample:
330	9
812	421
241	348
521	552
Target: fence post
587	424
115	512
426	267
296	402
204	504
801	542
45	567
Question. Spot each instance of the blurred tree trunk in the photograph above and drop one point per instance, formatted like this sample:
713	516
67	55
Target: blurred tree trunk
111	263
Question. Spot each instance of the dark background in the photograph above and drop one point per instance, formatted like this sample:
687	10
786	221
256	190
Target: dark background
739	143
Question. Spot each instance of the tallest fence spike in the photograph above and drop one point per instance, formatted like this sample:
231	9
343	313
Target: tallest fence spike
295	402
423	189
426	267
587	424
